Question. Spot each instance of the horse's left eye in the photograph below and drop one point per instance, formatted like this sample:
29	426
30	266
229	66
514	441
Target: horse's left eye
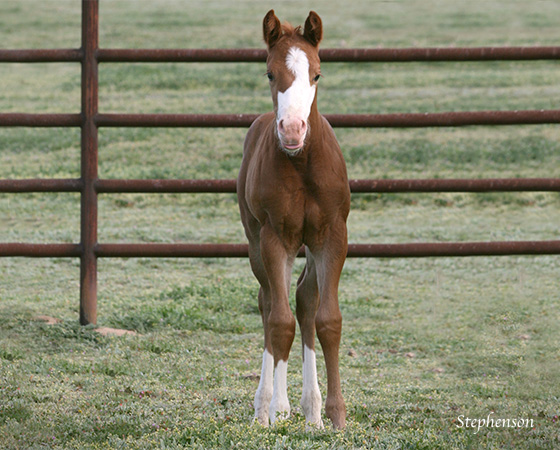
316	79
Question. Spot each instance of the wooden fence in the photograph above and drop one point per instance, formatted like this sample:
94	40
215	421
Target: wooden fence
90	119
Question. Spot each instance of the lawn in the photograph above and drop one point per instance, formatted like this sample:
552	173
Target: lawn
426	342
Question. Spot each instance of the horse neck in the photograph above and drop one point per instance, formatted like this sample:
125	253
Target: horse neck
315	129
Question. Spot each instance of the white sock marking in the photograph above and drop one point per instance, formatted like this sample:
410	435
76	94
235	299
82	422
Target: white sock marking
264	391
280	406
311	400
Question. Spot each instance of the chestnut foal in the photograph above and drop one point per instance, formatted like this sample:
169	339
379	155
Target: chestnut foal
293	190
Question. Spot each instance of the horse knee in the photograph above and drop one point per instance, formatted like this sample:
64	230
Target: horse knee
282	333
328	327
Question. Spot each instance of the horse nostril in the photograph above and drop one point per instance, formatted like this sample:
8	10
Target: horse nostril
292	127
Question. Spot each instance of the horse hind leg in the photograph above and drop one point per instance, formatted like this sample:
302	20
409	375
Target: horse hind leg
307	302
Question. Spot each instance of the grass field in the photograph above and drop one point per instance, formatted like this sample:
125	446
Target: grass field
426	342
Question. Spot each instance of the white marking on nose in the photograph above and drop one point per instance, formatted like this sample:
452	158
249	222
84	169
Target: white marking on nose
294	104
311	395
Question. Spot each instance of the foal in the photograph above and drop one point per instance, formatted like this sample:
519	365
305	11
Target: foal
293	190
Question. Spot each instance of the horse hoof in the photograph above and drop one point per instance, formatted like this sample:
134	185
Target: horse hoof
339	423
314	426
261	421
337	414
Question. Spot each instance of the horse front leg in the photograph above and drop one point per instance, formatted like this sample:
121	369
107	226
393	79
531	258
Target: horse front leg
280	324
263	396
328	321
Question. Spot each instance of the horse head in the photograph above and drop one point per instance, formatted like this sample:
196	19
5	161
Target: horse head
293	68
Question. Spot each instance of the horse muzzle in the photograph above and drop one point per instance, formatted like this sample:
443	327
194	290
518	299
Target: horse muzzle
291	133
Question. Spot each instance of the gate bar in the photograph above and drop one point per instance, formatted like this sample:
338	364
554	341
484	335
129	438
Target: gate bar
224	186
336	55
40	55
356	186
40	250
165	186
457	185
421	249
441	54
41	185
404	120
187	250
40	120
408	250
397	120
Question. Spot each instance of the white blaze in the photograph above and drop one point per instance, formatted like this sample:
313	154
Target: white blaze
311	395
295	102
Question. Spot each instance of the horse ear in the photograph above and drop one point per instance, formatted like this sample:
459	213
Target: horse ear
313	29
272	29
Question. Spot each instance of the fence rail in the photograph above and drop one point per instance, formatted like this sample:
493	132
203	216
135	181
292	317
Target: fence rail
406	120
90	120
169	186
259	55
185	250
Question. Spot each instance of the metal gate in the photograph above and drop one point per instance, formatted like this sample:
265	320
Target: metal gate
90	119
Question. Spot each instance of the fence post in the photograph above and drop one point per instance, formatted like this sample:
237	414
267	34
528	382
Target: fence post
89	162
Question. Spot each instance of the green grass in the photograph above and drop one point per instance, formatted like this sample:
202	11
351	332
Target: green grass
425	340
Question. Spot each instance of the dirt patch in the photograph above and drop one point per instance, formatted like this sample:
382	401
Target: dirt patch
48	319
106	331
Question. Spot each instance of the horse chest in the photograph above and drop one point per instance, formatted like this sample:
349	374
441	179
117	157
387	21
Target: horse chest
293	209
299	196
280	204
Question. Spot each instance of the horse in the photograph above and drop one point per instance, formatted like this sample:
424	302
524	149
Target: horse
292	191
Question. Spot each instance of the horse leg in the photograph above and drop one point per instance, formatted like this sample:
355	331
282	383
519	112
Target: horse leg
307	301
330	260
281	323
263	396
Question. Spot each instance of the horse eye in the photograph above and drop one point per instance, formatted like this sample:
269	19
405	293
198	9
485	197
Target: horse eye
270	76
316	79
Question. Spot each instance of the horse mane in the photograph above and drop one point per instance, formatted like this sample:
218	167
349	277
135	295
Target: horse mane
288	30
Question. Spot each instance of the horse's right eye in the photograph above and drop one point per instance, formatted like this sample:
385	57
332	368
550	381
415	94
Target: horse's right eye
270	76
